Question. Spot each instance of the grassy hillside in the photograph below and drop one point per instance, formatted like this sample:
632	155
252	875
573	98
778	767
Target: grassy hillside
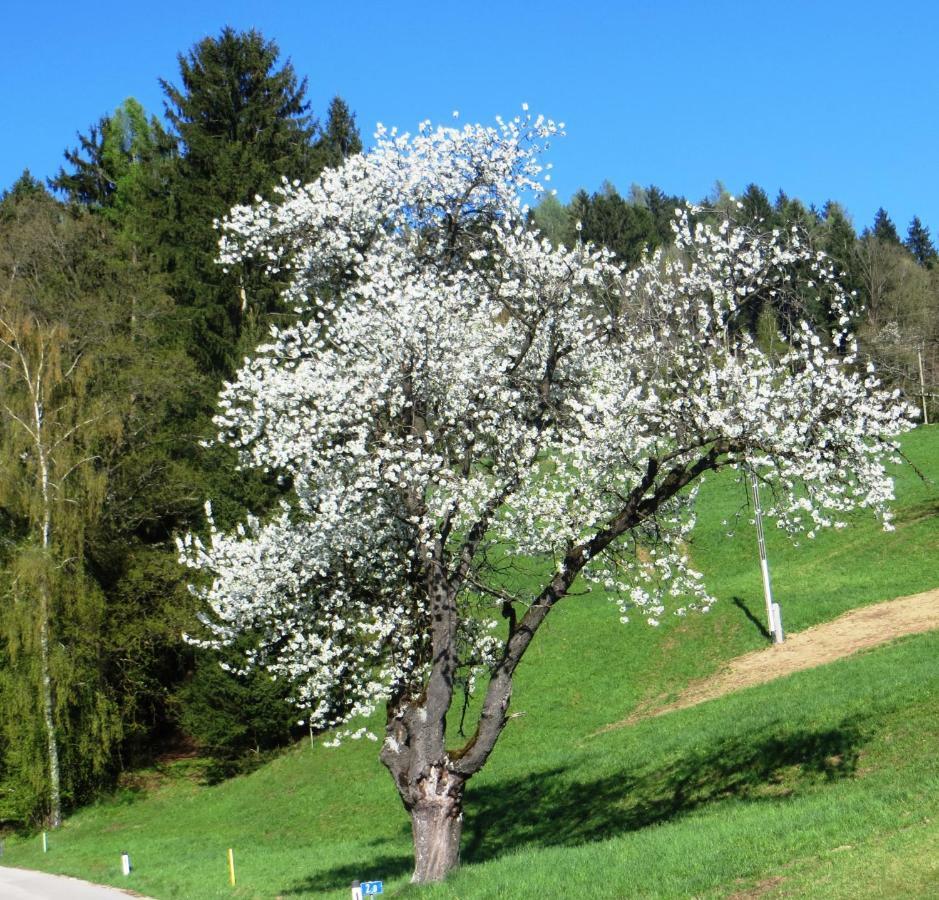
813	785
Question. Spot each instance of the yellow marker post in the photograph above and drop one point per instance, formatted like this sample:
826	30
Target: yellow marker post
231	866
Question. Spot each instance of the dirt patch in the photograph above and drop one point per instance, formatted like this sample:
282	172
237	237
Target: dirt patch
759	890
854	631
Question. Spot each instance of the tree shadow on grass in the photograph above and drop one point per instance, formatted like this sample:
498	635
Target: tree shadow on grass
551	808
383	867
555	807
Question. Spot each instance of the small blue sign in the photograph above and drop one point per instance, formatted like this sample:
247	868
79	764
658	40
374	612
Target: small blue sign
370	888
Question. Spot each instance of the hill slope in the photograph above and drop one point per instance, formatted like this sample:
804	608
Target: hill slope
793	785
859	629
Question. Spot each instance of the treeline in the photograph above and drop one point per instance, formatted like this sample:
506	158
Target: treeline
895	281
117	329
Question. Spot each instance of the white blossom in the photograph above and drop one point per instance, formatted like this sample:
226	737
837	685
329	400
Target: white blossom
451	370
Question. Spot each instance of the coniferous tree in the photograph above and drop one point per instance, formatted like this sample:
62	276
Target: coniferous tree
884	229
836	236
756	206
789	212
340	136
919	243
87	182
625	228
662	208
24	186
242	123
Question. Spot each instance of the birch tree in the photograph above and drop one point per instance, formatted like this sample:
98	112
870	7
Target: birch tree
51	491
459	393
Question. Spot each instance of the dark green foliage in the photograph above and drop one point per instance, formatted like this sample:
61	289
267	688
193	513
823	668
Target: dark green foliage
606	219
339	138
24	187
756	207
919	243
835	235
234	718
242	123
884	229
88	183
662	208
791	212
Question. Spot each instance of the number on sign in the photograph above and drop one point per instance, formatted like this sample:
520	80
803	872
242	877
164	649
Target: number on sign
370	888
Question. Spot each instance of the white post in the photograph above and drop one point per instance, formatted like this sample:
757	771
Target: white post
125	863
775	632
922	386
356	890
45	843
777	620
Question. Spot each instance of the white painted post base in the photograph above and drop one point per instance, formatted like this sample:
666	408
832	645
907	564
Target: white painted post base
125	863
356	890
778	635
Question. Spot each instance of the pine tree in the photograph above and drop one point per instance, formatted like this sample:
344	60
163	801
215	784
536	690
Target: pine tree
242	123
662	207
837	237
884	229
919	243
624	228
24	186
340	137
757	209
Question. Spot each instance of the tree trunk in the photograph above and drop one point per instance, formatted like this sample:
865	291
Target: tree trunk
55	792
431	793
45	614
437	825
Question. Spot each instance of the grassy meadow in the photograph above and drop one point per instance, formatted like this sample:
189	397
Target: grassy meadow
824	783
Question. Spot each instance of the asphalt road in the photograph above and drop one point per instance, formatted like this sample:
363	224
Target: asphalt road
22	884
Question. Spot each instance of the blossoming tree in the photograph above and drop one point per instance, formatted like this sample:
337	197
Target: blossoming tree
458	393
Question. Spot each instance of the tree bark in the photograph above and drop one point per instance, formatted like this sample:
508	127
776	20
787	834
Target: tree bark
45	612
437	826
431	792
52	748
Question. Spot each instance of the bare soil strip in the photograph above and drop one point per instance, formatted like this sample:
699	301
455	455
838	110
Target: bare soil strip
849	633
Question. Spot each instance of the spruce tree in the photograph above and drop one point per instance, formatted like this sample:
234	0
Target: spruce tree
242	123
836	237
624	228
919	243
884	229
757	209
340	136
25	186
662	207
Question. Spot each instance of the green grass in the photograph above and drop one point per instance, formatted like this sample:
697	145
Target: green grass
812	785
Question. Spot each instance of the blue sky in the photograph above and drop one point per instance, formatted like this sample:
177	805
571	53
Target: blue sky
824	99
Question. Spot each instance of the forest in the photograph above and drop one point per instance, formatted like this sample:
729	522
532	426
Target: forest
118	329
